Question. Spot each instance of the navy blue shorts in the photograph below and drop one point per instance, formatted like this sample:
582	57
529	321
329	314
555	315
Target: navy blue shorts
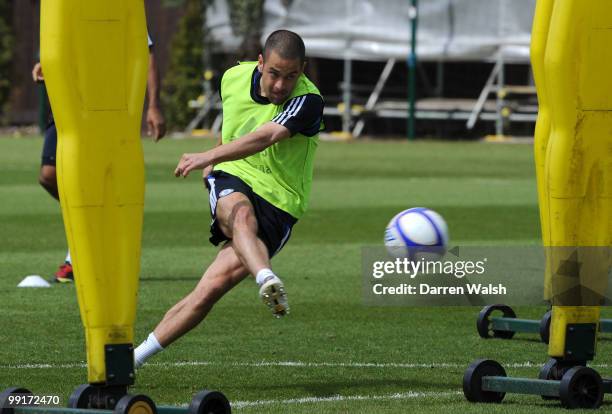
50	145
273	224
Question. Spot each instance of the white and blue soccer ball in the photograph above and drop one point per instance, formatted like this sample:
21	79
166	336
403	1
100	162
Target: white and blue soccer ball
417	233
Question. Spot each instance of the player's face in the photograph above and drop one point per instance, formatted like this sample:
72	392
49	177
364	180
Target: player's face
278	76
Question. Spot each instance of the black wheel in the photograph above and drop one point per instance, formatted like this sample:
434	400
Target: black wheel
554	369
96	396
209	402
483	323
551	371
135	404
4	398
545	327
80	397
581	387
472	381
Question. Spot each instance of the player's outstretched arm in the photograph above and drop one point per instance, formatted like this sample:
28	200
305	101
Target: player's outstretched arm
207	170
156	123
252	143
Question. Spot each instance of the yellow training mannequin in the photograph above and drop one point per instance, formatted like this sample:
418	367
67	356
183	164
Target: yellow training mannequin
94	58
577	180
539	35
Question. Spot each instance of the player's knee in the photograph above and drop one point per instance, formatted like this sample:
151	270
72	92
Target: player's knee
47	179
244	219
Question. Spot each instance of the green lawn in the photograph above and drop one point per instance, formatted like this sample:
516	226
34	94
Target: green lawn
332	354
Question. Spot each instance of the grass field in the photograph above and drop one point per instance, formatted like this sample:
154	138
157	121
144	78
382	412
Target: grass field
332	354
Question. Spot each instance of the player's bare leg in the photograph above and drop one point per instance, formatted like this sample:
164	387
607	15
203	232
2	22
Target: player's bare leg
47	178
237	220
225	272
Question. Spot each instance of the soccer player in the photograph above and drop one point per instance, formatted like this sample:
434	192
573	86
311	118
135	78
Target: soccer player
156	126
259	181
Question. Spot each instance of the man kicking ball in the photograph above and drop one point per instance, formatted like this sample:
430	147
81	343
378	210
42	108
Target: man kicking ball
259	181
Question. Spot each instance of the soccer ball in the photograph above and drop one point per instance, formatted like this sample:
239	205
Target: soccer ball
417	233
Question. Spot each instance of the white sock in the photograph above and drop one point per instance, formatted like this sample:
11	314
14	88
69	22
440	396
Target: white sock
262	275
68	259
146	350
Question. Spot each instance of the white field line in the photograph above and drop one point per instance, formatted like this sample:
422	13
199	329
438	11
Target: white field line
297	364
307	400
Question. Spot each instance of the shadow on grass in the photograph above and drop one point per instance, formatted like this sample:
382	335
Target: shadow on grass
331	388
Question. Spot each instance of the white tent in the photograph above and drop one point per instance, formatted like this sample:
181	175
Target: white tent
380	29
496	31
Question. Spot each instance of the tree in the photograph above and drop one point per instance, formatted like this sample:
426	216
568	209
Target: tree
246	19
183	82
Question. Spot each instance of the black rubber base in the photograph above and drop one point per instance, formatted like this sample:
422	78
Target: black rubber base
209	402
472	381
483	323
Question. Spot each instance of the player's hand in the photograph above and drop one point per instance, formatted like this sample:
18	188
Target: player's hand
37	74
190	162
156	123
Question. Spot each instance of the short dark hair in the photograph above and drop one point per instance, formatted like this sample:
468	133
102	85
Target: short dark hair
287	44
